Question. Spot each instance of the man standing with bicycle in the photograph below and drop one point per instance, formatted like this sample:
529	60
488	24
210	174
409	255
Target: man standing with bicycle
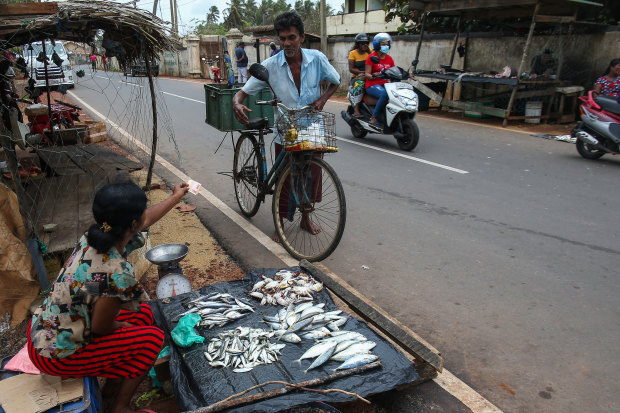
296	75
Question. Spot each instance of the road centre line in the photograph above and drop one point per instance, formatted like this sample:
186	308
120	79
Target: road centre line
402	155
463	122
446	380
183	97
130	84
413	158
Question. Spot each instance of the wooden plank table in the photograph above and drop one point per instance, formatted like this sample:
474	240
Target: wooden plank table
64	197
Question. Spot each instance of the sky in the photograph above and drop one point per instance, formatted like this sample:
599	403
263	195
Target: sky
198	9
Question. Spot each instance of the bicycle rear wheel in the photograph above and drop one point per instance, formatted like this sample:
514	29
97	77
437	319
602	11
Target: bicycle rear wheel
247	174
309	197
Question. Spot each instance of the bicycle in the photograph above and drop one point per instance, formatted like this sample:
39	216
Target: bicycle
306	190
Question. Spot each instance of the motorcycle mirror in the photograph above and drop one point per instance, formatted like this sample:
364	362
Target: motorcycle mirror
415	62
374	59
260	72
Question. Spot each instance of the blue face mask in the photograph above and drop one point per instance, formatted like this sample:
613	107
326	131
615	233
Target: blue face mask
385	48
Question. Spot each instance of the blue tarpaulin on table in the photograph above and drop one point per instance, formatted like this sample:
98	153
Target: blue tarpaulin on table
196	384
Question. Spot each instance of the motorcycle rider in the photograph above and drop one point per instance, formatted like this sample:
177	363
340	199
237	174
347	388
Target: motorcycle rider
357	65
381	44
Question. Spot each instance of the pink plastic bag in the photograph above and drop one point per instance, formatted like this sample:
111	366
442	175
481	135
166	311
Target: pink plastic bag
21	362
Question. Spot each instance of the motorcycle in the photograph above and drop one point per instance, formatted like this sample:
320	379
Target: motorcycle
215	69
598	131
398	115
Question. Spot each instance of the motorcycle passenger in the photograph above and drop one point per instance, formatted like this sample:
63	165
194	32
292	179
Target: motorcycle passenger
357	67
374	86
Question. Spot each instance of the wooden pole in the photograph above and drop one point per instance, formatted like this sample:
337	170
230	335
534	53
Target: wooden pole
227	404
417	52
526	49
155	7
149	175
456	38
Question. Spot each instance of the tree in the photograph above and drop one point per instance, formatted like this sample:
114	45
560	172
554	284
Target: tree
214	15
233	15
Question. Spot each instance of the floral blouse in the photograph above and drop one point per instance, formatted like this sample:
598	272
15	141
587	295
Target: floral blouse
61	325
608	87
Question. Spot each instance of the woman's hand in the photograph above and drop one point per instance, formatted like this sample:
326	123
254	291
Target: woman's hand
180	190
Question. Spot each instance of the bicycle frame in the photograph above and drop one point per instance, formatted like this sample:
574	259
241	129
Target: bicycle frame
271	176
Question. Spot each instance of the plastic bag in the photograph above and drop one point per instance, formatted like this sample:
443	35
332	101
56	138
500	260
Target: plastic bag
163	353
184	334
21	362
356	91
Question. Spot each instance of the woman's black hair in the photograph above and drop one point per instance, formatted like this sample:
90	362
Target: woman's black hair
289	19
115	208
611	64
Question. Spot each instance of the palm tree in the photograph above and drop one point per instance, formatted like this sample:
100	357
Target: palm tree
214	15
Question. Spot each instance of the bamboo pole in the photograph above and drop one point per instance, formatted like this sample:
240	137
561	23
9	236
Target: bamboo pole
149	175
526	49
288	387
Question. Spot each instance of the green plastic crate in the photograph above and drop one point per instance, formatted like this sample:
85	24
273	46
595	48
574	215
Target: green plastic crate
218	99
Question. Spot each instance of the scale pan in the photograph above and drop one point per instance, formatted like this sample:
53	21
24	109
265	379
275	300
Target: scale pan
167	253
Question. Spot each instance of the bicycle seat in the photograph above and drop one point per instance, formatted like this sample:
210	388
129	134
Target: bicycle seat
258	123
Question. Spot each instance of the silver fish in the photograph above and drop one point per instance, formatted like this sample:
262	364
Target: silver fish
322	358
352	350
316	350
291	338
356	361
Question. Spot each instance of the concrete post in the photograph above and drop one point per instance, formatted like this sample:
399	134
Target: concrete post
193	55
233	37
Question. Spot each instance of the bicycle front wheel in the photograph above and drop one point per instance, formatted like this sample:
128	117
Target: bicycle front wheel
309	209
247	174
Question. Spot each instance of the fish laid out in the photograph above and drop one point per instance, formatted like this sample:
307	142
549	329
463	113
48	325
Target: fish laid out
242	349
216	309
349	347
286	287
305	321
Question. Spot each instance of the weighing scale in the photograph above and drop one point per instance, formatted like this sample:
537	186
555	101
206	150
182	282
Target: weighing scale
171	282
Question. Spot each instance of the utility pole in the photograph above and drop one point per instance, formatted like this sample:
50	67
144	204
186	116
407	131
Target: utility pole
172	17
323	28
155	8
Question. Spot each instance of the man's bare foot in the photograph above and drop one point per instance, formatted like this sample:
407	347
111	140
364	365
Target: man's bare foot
307	224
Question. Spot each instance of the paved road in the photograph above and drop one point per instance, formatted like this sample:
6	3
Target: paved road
510	269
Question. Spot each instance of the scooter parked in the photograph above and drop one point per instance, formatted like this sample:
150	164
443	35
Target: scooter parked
598	131
398	115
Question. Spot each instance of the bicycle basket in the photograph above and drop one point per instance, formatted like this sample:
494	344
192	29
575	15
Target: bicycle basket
308	129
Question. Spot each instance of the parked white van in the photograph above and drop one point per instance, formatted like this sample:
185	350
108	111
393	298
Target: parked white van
58	75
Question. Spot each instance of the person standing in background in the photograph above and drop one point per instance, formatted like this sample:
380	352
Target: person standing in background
274	49
93	62
242	63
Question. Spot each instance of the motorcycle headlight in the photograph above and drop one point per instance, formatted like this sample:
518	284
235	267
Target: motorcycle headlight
407	99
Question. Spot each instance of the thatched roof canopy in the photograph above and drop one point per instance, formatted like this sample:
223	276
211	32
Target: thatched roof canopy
140	33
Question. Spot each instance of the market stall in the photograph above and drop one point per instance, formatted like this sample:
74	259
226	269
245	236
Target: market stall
204	382
543	88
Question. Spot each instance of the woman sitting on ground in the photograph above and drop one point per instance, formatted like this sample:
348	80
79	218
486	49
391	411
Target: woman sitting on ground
94	321
609	83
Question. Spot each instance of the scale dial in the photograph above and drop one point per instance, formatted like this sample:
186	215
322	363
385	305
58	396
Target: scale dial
172	285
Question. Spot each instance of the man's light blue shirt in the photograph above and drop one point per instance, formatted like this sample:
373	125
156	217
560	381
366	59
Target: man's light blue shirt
314	68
